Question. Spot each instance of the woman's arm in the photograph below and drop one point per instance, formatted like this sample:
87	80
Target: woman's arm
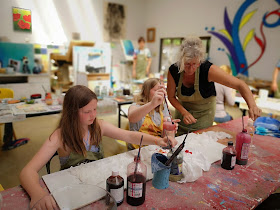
171	91
274	85
133	137
218	75
29	177
136	113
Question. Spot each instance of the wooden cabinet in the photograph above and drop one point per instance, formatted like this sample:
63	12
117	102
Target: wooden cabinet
98	76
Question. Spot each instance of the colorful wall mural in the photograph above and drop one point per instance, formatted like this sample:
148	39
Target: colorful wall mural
230	36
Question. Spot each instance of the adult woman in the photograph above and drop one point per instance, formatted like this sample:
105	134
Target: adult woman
77	140
191	89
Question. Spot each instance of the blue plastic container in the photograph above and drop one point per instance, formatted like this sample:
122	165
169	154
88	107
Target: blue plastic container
161	172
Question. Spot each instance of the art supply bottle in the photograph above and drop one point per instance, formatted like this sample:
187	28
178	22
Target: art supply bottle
136	182
229	157
115	186
48	99
97	91
250	129
104	91
176	172
243	140
169	128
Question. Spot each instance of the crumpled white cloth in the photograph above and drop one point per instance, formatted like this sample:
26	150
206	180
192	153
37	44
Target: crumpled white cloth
204	151
204	147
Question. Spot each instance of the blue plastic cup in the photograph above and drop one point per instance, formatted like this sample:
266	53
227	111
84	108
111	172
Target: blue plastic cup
161	172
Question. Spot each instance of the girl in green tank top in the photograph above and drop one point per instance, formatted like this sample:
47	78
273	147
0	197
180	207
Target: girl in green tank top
77	139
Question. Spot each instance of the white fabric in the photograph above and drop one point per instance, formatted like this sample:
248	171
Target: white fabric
204	147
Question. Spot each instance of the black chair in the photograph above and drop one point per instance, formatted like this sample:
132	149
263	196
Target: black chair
48	164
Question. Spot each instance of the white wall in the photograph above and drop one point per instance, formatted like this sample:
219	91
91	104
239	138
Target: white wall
54	21
178	18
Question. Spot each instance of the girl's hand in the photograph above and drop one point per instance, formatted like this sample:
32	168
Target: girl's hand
254	112
188	118
158	97
45	202
176	123
163	142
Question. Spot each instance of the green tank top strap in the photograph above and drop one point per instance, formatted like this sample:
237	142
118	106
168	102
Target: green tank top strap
76	159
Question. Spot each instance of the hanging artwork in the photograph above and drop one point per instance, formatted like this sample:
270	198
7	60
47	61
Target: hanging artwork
22	19
114	22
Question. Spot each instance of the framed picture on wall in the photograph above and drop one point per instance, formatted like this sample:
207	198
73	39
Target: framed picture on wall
22	19
151	34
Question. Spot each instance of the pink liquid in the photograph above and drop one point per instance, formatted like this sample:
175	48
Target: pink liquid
169	128
243	140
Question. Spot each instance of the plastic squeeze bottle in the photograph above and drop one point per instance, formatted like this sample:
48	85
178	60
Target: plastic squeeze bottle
250	129
136	182
243	140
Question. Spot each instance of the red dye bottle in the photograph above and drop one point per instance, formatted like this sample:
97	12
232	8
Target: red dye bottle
115	186
136	182
229	157
243	140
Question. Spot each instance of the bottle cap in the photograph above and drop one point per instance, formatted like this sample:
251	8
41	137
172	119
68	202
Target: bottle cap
230	143
115	173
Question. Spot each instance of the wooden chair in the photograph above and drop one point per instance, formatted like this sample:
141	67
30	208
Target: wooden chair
7	93
48	164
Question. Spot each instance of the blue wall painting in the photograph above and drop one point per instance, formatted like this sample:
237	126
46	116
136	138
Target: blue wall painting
231	39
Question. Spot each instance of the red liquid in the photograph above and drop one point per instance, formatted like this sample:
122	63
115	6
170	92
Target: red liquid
243	140
227	162
115	182
136	189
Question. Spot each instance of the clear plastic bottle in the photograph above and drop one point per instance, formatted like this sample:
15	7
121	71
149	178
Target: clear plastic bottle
104	91
243	140
115	186
169	128
136	182
97	90
229	157
176	172
250	129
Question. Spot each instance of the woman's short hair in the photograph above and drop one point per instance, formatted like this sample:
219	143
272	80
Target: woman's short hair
191	47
